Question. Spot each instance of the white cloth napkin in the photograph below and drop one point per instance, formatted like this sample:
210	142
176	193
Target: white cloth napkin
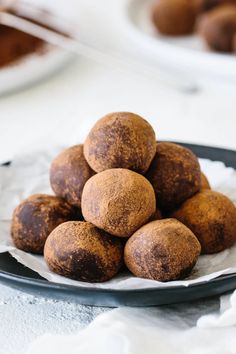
165	330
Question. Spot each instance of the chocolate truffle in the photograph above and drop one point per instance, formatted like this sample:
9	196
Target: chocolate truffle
234	44
175	175
120	140
212	218
174	17
157	215
79	250
206	5
118	201
34	219
162	250
204	182
218	28
68	174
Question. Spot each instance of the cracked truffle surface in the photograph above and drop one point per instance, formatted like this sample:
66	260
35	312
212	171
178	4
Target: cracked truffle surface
120	140
174	17
68	174
35	218
175	175
162	250
80	251
118	201
212	218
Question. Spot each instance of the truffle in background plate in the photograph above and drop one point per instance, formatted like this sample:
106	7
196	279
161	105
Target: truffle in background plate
212	218
174	17
118	201
35	218
202	6
120	140
68	174
162	250
218	28
80	251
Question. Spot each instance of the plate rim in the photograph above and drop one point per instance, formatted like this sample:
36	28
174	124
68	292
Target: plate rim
48	284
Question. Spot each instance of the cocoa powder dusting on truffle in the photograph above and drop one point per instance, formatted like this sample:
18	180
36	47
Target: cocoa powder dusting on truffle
34	219
162	250
118	201
68	174
212	218
175	175
120	140
81	251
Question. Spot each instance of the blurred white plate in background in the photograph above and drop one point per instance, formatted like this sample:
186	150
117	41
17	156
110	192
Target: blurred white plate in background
31	69
184	54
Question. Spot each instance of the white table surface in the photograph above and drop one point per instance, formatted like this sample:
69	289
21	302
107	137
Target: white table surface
60	111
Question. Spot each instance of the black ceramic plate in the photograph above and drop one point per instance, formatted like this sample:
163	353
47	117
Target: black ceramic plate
17	276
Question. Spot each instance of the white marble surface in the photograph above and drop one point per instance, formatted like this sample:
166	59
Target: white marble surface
24	317
61	110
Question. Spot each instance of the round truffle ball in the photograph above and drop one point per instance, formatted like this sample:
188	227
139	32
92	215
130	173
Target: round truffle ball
218	28
34	219
174	17
175	175
212	218
80	251
120	140
204	182
162	250
118	201
68	174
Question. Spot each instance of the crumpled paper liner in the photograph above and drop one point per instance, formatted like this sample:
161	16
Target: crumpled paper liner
29	174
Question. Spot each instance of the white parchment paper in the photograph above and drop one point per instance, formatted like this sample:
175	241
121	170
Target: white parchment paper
29	174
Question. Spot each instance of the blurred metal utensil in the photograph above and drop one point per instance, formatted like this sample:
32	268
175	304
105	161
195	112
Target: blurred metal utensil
73	45
6	4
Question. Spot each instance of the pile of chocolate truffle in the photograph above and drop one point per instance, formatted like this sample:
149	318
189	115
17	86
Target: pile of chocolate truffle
124	197
214	20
